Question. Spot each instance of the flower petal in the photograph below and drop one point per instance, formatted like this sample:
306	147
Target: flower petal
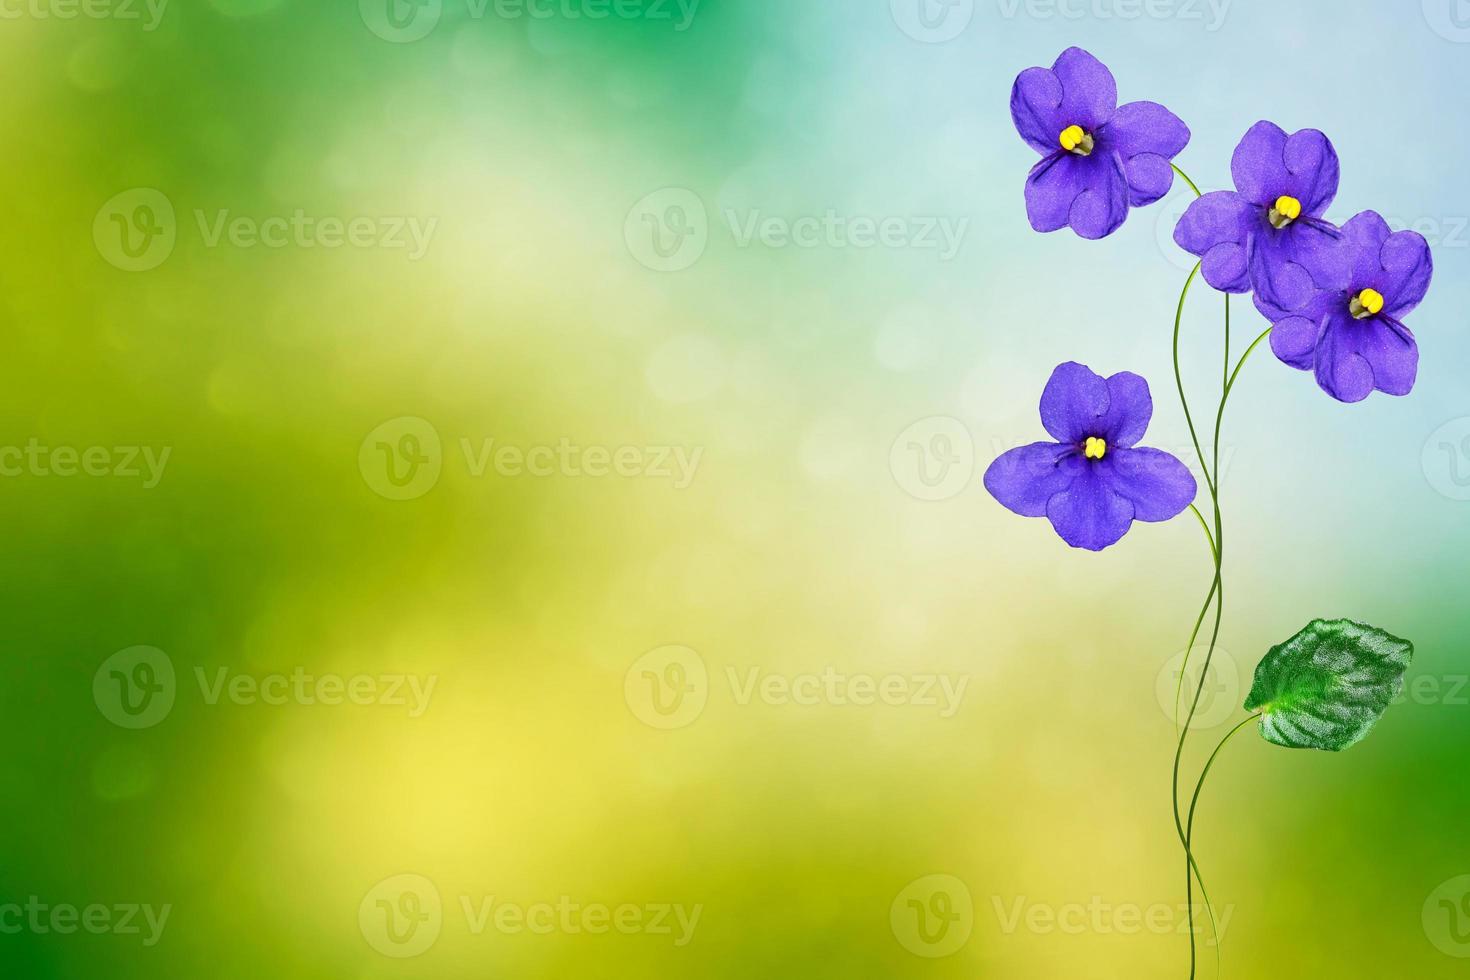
1147	136
1397	264
1294	341
1036	100
1149	178
1074	403
1409	266
1267	164
1157	484
1356	356
1258	165
1090	514
1227	268
1291	265
1089	93
1130	409
1146	127
1216	228
1103	206
1024	479
1088	193
1078	90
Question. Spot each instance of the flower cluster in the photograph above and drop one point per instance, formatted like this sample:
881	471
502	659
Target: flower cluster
1336	296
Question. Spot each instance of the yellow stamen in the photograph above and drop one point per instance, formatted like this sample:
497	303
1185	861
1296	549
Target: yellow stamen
1367	303
1075	139
1286	210
1096	448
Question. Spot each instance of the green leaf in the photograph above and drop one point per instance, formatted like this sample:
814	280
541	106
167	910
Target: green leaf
1326	687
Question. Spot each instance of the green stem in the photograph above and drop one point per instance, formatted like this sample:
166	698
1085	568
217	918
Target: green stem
1189	847
1191	183
1245	357
1199	786
1217	592
1179	381
1208	537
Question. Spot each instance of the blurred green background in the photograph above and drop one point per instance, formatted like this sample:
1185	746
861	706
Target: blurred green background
740	498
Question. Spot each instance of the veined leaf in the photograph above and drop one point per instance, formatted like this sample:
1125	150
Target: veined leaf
1326	687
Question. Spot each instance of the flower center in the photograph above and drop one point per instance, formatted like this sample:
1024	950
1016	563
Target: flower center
1367	303
1286	210
1076	140
1096	448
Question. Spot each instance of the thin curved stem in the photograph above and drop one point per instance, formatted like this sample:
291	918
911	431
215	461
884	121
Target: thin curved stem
1192	185
1193	636
1245	357
1191	867
1189	847
1217	593
1179	381
1209	535
1194	801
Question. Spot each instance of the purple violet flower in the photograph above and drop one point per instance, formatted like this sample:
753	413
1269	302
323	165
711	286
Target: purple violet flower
1098	159
1354	338
1094	481
1268	235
